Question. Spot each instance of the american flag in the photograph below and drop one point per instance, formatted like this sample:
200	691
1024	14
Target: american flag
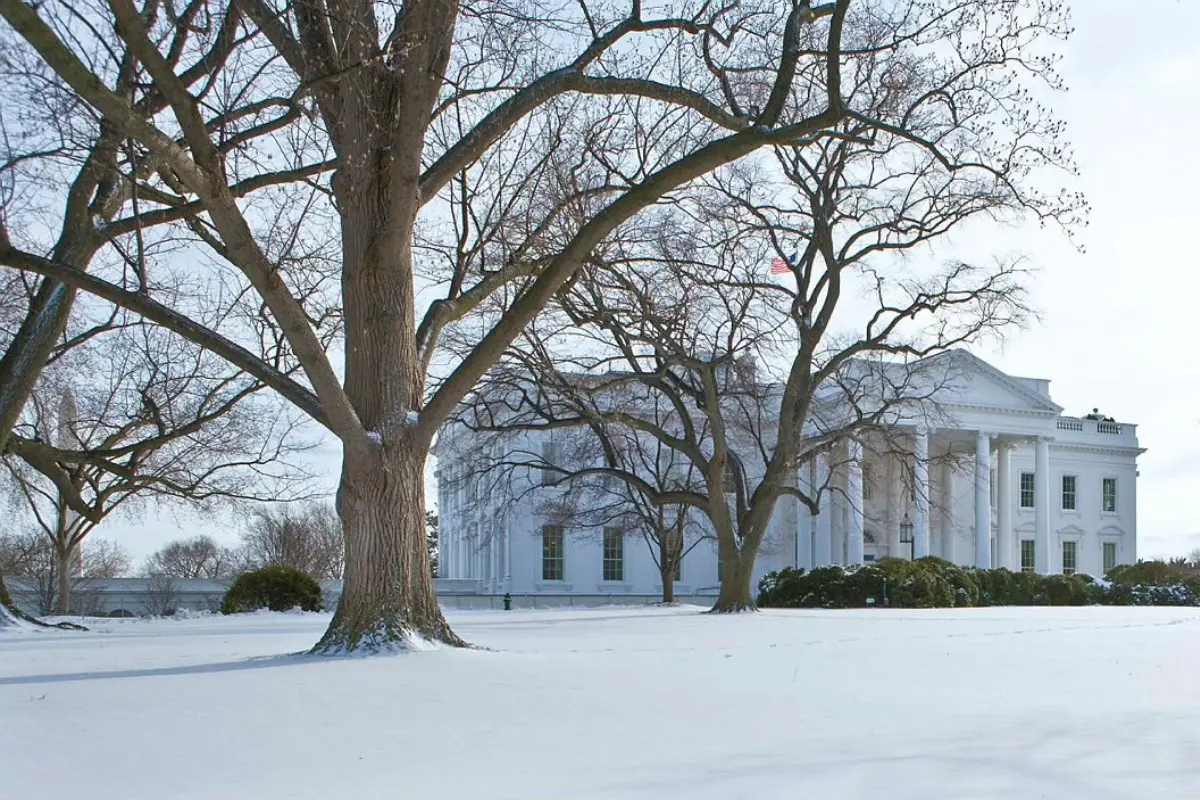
781	266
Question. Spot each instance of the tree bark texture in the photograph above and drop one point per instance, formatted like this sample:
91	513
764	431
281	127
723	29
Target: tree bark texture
387	602
63	605
735	596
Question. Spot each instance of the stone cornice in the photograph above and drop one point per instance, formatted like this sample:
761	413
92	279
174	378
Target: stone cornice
1098	448
1020	412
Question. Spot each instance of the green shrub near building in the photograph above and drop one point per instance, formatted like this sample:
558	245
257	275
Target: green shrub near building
935	583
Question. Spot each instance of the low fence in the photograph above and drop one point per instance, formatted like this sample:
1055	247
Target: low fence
140	597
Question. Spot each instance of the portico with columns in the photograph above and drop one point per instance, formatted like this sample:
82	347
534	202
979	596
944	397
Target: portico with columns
1002	479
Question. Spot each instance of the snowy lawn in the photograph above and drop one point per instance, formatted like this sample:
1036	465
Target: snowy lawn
616	703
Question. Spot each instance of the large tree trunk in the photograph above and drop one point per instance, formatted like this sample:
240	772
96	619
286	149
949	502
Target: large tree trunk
387	602
734	595
63	603
668	582
380	121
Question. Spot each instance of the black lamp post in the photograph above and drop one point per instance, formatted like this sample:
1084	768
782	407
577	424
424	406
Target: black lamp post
906	537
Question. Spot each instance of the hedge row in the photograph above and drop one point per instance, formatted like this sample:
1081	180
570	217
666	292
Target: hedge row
936	583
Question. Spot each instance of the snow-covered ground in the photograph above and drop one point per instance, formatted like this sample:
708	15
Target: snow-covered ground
621	703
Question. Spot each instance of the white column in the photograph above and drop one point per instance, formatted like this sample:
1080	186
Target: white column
497	560
854	500
1046	558
804	521
1005	548
895	506
921	492
476	555
949	532
823	535
1127	545
983	500
507	556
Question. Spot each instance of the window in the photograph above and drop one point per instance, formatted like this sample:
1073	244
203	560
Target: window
1070	551
552	553
868	474
992	489
1069	483
1109	552
1108	493
614	555
549	456
1028	560
1027	490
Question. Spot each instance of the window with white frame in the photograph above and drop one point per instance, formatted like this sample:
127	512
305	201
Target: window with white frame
1108	552
992	488
550	456
614	555
553	566
868	473
1028	557
1028	491
1108	495
1070	557
1069	487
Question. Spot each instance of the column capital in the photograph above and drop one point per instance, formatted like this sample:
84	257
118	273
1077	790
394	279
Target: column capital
1044	439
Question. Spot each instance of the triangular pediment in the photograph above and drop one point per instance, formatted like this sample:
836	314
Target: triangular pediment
971	381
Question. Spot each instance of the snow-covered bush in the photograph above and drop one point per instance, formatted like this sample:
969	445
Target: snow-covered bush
924	583
1152	583
275	588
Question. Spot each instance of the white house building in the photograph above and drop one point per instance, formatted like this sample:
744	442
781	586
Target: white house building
1002	478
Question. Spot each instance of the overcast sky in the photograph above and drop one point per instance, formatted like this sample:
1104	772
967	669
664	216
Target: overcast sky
1116	320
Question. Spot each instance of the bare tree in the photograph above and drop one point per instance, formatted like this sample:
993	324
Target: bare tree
131	414
679	313
617	110
198	557
161	596
420	118
306	538
32	559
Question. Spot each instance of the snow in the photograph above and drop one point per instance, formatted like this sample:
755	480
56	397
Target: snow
615	703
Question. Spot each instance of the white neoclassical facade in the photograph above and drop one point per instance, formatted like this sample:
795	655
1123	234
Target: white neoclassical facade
1002	478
